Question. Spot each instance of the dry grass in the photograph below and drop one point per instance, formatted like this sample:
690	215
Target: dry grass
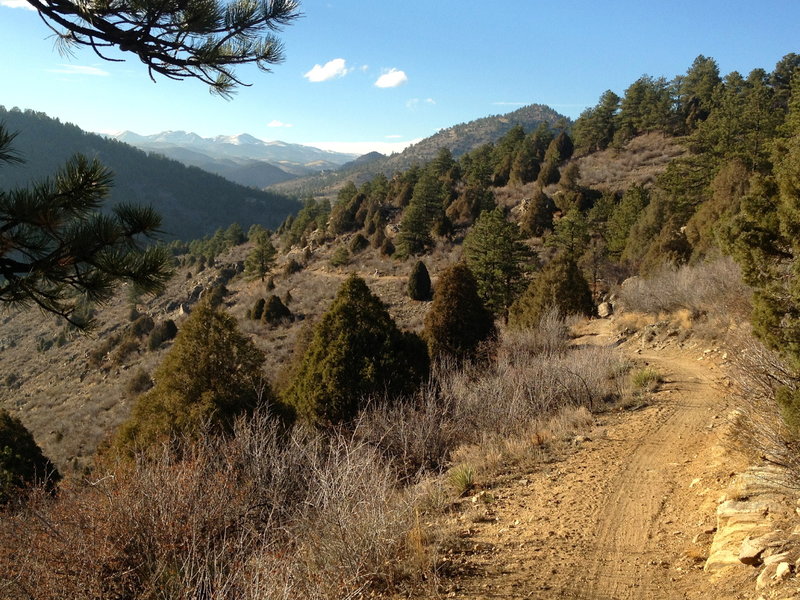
641	161
708	287
258	516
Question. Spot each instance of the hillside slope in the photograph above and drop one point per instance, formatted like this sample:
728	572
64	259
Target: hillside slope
192	202
459	139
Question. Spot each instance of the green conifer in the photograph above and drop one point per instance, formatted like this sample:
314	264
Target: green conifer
356	352
457	322
560	284
21	460
419	283
212	374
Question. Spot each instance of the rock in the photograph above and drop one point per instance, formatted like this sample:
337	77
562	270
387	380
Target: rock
736	521
605	309
766	577
783	571
751	550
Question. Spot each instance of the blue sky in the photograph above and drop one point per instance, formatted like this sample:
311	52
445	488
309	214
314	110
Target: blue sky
439	63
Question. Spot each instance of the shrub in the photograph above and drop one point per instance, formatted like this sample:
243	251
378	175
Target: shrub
258	309
457	321
358	243
387	247
139	382
560	284
211	375
128	346
141	326
646	379
161	333
21	460
291	267
356	352
340	257
249	516
275	312
419	283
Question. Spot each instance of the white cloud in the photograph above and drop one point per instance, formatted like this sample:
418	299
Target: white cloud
363	147
276	123
391	78
413	103
16	4
330	70
394	137
79	70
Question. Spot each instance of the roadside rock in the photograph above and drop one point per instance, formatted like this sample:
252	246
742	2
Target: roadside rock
605	309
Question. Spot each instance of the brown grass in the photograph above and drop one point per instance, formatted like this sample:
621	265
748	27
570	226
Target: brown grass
713	288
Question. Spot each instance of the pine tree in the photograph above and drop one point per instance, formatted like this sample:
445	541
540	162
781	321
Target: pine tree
623	218
570	233
197	39
261	259
59	251
497	258
356	353
457	322
419	283
212	374
22	462
424	212
560	284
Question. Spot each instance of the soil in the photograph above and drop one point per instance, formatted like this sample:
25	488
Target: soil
627	511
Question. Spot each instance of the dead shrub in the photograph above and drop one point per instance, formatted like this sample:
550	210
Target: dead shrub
708	287
758	429
259	515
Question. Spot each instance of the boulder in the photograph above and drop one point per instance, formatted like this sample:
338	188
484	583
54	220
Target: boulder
605	309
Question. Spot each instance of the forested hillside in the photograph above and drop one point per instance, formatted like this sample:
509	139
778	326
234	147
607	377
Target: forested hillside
191	202
458	139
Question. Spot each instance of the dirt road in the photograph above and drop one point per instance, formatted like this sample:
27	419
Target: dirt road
627	514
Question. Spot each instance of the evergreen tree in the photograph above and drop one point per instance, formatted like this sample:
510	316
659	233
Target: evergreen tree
419	283
212	374
59	251
624	216
525	166
198	39
538	215
457	322
356	353
261	259
594	130
22	462
497	258
570	234
560	284
425	210
276	312
258	309
696	91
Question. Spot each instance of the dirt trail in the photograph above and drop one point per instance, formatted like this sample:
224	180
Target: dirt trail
628	514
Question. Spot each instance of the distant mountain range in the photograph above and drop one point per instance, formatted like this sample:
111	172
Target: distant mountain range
191	201
241	158
459	139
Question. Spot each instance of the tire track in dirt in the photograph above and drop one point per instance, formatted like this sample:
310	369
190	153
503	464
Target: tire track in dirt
625	516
